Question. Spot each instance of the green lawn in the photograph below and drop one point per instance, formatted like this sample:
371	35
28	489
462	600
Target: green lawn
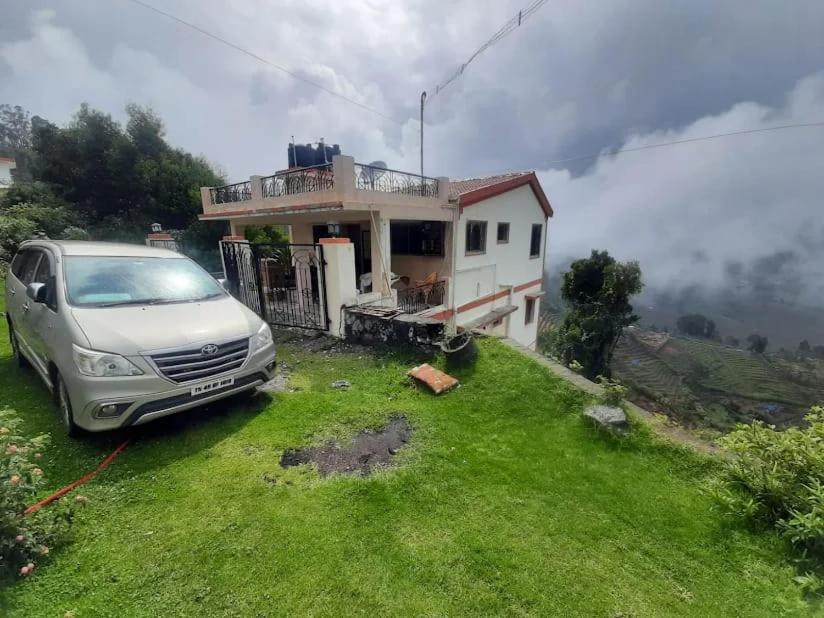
505	503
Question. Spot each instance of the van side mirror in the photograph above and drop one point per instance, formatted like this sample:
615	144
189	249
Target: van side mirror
224	283
37	292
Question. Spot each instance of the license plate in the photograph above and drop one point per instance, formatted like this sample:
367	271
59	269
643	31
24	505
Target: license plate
212	386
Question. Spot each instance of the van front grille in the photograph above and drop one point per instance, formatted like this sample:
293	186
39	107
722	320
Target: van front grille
187	365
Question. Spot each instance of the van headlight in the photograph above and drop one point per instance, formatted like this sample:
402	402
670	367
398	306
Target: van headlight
262	338
102	364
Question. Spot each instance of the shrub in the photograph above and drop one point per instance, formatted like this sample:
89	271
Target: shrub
614	392
13	231
777	478
24	540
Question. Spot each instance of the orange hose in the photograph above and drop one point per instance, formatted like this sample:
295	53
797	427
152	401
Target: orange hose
83	479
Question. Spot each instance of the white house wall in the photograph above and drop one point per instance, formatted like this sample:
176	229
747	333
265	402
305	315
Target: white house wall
502	266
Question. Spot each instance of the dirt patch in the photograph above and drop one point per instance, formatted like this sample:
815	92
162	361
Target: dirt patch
363	454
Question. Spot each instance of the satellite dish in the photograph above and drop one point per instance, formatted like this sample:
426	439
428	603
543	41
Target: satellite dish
373	172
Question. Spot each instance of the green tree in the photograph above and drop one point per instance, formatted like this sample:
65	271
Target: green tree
597	290
16	138
757	343
121	180
697	325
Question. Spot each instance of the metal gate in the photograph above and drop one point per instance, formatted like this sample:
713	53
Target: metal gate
284	284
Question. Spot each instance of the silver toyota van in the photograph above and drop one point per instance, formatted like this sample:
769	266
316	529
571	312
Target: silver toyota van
124	334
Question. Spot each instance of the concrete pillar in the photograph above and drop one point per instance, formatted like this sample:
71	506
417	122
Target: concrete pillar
443	188
257	188
381	253
343	170
205	199
236	229
341	289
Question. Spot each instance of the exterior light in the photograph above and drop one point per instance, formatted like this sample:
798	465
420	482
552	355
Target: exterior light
333	229
156	227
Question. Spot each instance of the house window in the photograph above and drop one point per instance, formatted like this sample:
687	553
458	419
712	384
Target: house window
529	311
503	233
535	240
417	237
476	237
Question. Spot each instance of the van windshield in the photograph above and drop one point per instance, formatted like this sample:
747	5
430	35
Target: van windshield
99	281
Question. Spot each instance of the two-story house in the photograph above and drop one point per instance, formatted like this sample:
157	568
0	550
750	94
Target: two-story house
469	253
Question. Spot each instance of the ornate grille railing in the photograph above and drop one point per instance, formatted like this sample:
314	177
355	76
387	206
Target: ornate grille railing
419	298
238	192
303	180
370	178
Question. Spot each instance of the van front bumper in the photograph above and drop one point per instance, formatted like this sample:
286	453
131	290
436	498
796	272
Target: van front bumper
140	399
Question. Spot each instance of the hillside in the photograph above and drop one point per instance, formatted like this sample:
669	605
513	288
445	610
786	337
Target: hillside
703	383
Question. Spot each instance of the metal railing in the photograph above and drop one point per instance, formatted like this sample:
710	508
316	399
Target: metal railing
238	192
422	297
370	178
303	180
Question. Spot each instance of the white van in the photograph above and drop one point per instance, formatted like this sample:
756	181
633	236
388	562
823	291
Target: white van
124	334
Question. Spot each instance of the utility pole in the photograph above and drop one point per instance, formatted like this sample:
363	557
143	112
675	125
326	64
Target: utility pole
423	100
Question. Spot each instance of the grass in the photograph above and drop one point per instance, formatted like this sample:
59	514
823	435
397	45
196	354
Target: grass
505	503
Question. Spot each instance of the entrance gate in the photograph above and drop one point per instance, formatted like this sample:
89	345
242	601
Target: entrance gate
284	284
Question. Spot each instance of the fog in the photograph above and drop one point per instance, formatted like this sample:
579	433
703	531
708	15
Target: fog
737	218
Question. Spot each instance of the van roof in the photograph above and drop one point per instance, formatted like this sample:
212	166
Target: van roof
108	249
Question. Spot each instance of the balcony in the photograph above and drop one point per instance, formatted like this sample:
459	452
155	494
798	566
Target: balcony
342	184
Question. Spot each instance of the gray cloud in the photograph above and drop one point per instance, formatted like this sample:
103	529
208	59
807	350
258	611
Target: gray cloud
748	205
576	78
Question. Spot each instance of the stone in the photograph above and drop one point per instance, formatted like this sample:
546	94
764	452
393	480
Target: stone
341	384
607	417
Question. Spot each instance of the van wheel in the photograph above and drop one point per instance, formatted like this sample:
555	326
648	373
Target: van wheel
15	349
64	407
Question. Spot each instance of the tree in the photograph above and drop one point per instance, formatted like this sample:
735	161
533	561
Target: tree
732	341
121	180
16	138
597	290
757	343
697	325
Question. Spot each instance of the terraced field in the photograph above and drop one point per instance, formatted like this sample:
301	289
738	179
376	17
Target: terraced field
741	373
704	383
637	364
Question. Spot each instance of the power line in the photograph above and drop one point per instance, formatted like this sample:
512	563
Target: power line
507	28
686	141
262	59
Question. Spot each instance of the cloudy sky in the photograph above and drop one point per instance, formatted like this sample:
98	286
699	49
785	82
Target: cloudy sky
577	78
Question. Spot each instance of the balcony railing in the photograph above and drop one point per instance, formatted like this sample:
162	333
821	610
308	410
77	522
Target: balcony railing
238	192
370	178
422	297
303	180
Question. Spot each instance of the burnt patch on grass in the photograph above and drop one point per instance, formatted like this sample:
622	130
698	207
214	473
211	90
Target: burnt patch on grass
368	450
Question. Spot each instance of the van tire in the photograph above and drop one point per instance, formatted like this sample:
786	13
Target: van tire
15	349
64	408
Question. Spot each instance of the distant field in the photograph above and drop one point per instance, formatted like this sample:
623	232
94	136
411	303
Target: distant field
708	384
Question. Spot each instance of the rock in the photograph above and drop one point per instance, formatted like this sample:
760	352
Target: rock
341	384
278	384
609	418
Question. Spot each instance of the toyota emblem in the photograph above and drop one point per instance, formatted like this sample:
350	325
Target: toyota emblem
209	349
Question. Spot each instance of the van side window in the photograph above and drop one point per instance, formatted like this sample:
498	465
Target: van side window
24	265
44	275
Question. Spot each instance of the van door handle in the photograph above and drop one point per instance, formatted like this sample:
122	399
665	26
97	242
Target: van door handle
26	306
13	291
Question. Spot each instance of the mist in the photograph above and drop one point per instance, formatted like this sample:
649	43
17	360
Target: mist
736	219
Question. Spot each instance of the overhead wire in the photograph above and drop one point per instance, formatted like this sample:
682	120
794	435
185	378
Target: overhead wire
263	60
689	140
506	29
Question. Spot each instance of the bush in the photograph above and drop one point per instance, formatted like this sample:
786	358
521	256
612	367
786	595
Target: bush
13	231
614	392
24	541
777	478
